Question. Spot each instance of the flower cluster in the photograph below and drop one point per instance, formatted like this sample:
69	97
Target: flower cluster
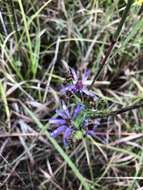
78	86
74	118
65	124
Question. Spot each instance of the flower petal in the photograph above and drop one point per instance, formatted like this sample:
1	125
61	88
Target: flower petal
57	121
91	133
85	124
58	131
77	110
85	76
87	92
61	114
67	134
65	108
75	77
67	88
96	124
74	90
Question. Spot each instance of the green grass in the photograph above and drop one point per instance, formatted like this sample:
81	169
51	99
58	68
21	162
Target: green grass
38	41
59	149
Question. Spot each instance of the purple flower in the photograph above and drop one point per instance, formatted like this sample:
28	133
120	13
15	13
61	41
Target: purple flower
90	126
79	85
65	124
92	131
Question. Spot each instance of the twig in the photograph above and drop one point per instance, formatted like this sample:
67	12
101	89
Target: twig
119	111
13	135
113	41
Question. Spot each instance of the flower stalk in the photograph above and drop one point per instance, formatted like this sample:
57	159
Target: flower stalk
113	41
107	113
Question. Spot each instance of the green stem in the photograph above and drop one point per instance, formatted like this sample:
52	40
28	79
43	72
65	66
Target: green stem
114	40
116	112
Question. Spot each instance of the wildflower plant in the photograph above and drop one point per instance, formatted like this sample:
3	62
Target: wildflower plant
72	123
72	120
65	124
77	119
78	85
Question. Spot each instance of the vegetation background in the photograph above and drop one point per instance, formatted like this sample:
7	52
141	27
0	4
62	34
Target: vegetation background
37	40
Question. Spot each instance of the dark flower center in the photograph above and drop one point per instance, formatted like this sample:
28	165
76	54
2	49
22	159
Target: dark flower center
68	122
79	85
